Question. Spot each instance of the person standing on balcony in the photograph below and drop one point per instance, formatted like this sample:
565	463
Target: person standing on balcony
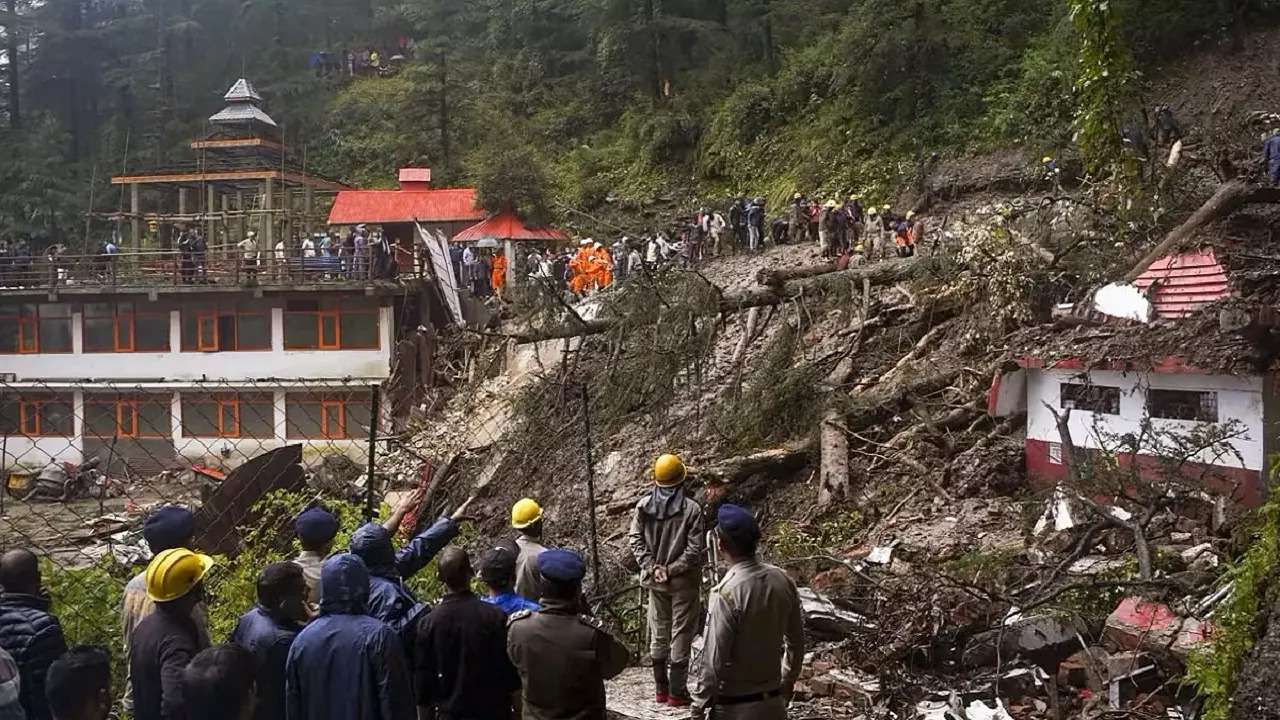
249	254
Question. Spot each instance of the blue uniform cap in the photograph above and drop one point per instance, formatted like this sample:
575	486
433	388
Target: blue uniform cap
559	565
737	524
168	527
316	525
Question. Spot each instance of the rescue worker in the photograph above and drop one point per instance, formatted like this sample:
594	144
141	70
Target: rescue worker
668	544
873	232
1271	155
461	668
220	682
390	600
167	528
78	685
29	632
797	220
754	633
902	237
498	572
167	639
498	275
345	665
915	232
578	264
857	220
526	519
827	228
602	266
755	225
563	656
738	223
316	528
268	629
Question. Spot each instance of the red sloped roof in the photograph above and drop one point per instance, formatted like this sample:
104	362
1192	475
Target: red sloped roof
1184	283
387	206
506	226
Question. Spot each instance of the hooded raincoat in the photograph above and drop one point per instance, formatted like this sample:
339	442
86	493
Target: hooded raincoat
389	600
345	665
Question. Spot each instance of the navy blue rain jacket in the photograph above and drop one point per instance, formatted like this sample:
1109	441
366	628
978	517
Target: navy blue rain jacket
345	665
34	638
1272	151
389	600
269	640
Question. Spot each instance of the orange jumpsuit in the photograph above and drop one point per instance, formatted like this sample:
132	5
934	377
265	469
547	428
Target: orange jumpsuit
580	266
604	267
498	276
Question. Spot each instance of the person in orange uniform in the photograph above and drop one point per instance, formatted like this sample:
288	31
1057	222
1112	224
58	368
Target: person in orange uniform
604	267
498	276
579	264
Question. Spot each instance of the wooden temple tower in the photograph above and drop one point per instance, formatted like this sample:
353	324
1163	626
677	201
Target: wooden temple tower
244	178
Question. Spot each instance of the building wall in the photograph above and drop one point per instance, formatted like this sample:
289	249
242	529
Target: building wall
1239	399
229	365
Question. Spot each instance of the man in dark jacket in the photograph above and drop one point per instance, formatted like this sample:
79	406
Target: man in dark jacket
1271	154
28	631
79	684
268	630
219	685
461	669
755	225
345	665
166	640
389	599
498	573
738	223
563	657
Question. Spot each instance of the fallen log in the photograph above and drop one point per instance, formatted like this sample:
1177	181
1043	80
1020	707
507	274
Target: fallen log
737	469
1230	197
885	271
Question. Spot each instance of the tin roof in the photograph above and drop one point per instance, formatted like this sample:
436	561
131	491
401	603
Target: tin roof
242	91
241	113
388	206
1179	285
506	226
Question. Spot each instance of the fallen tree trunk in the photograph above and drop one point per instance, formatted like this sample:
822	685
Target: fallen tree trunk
1230	197
737	469
885	271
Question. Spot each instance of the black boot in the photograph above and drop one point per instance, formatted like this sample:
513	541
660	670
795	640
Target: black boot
662	689
679	696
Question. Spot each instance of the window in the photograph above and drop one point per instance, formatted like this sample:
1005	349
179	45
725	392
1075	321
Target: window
1201	406
31	328
226	326
331	324
127	416
126	327
332	416
1090	398
37	415
229	416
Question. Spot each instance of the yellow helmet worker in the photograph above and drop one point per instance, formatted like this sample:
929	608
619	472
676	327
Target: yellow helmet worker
174	572
668	470
525	513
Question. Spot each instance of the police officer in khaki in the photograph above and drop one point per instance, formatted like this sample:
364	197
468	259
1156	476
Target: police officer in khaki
754	641
563	656
669	546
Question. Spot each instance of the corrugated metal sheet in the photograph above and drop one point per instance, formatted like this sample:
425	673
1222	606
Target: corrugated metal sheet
1184	283
242	90
241	113
394	206
506	226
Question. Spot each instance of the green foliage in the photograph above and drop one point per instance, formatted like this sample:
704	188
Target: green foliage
512	177
1104	74
1215	670
791	540
87	602
777	403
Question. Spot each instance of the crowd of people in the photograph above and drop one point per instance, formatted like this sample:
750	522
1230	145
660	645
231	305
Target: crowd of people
337	634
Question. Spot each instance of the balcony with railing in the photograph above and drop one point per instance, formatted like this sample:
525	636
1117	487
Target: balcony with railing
229	268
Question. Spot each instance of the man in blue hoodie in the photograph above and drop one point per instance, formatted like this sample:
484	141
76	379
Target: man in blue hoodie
389	599
346	665
267	631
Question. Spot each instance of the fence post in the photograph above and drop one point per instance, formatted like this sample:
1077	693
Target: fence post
370	500
8	471
591	489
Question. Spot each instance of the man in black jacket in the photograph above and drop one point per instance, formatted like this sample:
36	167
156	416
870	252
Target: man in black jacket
461	669
79	684
219	685
166	640
28	631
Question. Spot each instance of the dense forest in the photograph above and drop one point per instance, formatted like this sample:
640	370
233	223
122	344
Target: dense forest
585	99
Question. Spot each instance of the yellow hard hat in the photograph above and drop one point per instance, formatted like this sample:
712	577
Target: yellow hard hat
831	203
886	208
173	573
668	470
911	214
859	248
1047	159
525	513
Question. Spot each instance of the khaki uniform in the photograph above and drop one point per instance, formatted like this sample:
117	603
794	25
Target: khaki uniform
563	659
528	581
678	544
754	644
310	563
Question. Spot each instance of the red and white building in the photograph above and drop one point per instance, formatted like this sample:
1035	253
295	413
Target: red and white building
1110	395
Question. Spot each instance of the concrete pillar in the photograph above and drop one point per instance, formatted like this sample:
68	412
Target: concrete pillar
242	226
135	222
509	249
226	223
184	200
309	207
268	225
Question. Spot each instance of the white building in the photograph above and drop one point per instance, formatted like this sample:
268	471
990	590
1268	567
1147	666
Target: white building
157	377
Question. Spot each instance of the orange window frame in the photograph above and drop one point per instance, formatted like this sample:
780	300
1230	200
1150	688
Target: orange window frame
30	413
207	319
29	334
329	327
124	328
128	418
333	411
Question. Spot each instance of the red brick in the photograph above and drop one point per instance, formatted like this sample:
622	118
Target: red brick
1137	623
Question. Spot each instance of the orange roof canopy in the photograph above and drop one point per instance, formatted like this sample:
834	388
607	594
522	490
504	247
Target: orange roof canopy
507	226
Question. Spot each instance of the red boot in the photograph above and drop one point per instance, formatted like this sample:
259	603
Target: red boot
662	688
679	695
